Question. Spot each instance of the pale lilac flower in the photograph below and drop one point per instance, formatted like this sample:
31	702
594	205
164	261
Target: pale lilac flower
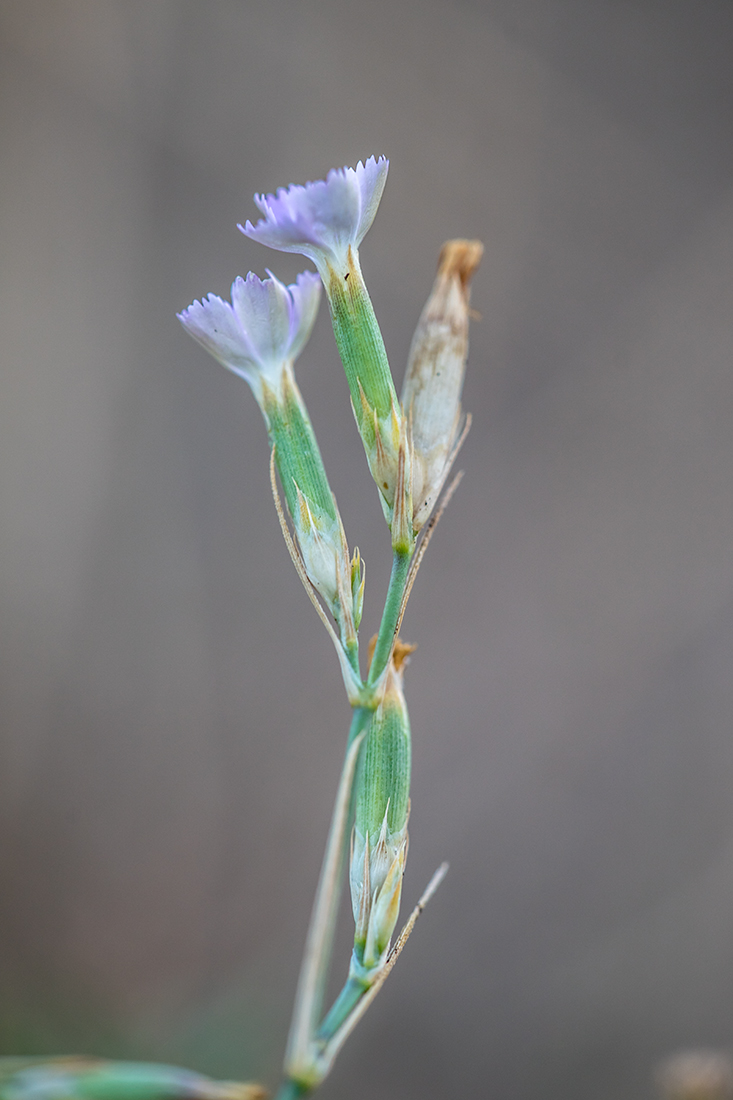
323	219
266	325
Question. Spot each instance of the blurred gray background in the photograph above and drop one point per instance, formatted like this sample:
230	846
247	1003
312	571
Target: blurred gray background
172	714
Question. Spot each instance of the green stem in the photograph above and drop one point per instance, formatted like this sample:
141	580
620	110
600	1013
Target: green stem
351	649
319	941
341	1009
390	615
291	1090
359	721
309	1000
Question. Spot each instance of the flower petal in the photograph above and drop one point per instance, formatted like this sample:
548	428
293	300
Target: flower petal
213	324
371	178
306	296
266	325
322	219
263	310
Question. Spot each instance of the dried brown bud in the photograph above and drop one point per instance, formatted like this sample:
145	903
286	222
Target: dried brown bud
431	393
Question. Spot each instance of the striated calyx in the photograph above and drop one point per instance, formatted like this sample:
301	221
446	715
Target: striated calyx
379	845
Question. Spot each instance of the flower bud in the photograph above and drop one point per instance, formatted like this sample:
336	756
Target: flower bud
379	845
431	393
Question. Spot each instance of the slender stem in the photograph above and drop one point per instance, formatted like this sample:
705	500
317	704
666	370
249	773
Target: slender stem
334	1045
304	1039
291	1090
391	615
319	941
360	719
351	648
341	1009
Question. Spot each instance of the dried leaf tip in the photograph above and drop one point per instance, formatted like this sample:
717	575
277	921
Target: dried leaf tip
400	653
460	258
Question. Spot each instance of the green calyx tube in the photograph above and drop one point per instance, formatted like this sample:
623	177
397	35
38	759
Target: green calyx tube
312	506
297	454
382	804
360	344
379	416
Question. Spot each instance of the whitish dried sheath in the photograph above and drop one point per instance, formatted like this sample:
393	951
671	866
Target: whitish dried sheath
431	394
